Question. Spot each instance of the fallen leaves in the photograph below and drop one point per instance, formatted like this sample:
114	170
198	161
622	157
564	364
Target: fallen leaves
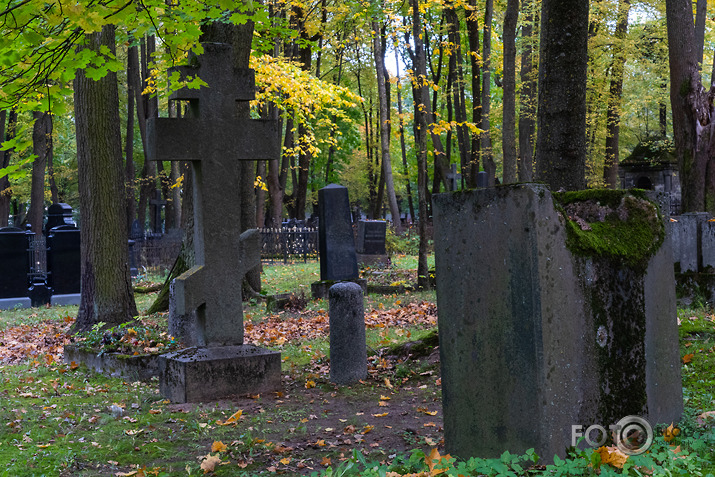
43	342
231	420
688	358
612	455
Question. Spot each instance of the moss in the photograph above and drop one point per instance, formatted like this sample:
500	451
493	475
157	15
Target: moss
623	226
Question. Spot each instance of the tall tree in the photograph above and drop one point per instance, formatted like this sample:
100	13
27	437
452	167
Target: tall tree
613	113
474	57
107	294
8	123
385	129
485	138
561	118
692	107
527	94
511	16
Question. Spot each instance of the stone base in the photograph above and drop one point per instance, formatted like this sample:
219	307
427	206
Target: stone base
320	289
373	260
20	302
208	374
141	368
64	300
275	303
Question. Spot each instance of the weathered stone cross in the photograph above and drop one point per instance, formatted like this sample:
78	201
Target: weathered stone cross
214	139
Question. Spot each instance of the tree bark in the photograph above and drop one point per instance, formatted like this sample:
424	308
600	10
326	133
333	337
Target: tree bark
485	138
561	118
403	147
42	148
129	170
9	125
147	107
385	129
511	17
458	94
474	55
106	287
691	105
613	113
527	96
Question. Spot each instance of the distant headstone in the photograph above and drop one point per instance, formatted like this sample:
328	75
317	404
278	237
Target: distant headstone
482	179
454	178
213	139
14	268
337	244
371	235
156	205
535	339
64	266
58	214
348	351
137	230
686	234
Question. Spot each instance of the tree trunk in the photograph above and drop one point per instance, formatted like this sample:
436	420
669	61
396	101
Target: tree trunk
129	171
147	107
106	287
527	97
613	113
42	148
403	147
458	94
485	138
473	37
385	129
691	105
509	98
421	97
9	126
561	119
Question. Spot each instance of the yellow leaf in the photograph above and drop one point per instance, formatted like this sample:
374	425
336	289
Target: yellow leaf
384	398
309	384
285	460
218	446
433	459
688	358
367	429
613	456
209	463
380	415
325	462
670	432
387	383
231	420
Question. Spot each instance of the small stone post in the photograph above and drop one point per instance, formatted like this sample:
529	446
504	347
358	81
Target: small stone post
348	351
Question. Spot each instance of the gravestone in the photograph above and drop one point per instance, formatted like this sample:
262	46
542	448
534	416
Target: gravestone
14	268
534	338
454	179
58	214
214	139
156	205
348	350
686	233
338	259
371	242
64	265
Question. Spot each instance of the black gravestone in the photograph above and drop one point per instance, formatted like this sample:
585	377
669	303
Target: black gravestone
63	260
371	237
137	231
338	260
58	214
14	263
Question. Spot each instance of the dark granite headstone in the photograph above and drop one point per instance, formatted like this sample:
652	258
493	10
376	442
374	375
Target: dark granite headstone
337	245
64	264
137	231
213	139
371	237
58	214
14	263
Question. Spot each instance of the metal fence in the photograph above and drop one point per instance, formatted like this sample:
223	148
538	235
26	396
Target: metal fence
289	243
38	258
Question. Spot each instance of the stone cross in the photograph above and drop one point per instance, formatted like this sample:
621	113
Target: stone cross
157	203
453	178
214	138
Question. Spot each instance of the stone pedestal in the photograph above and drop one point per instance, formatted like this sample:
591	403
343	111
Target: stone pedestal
348	351
208	374
538	333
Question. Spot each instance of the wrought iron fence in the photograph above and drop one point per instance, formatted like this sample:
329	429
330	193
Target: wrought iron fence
289	243
38	258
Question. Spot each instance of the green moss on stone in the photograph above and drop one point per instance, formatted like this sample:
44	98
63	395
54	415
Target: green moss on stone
623	226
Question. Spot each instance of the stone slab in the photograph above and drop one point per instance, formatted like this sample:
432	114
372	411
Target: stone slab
525	329
208	374
707	245
372	260
9	303
686	240
141	368
338	261
67	299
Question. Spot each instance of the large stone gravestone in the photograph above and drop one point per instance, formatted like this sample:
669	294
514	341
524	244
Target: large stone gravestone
64	265
371	235
336	250
14	268
58	214
539	333
214	139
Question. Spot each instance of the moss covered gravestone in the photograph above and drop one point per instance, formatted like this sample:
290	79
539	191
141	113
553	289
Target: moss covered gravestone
214	138
555	311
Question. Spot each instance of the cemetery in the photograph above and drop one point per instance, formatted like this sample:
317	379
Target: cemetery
229	271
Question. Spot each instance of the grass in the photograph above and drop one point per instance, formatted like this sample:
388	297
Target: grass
62	420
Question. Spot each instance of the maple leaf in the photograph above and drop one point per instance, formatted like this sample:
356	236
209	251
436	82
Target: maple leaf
218	446
613	456
670	432
209	463
285	460
688	358
231	420
325	462
309	384
433	459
